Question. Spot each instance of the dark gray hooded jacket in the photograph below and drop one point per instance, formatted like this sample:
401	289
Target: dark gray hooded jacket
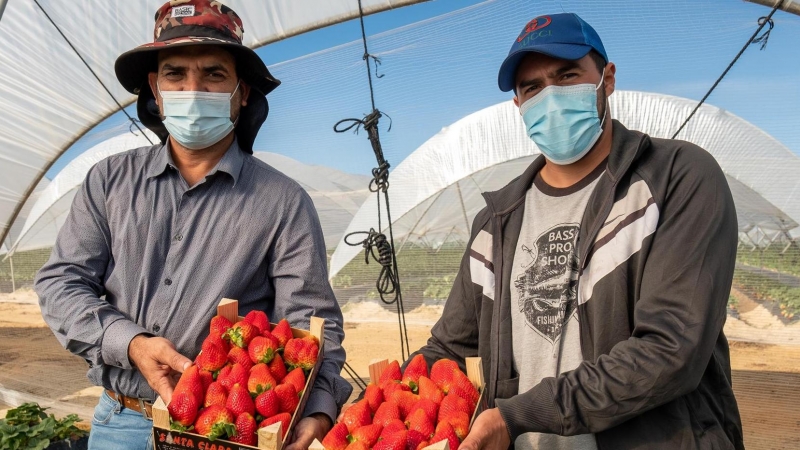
657	248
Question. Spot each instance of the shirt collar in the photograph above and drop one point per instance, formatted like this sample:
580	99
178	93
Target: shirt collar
231	163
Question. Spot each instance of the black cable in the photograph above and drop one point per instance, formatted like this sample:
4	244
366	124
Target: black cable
354	376
762	39
133	121
388	282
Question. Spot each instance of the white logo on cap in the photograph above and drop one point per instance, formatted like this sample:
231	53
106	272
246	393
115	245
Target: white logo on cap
183	11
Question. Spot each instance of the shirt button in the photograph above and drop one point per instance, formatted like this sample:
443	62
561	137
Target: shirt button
168	282
156	328
178	237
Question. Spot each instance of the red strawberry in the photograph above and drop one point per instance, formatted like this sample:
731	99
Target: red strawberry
268	404
387	412
212	357
191	382
297	379
421	445
239	401
442	373
367	434
427	389
391	372
224	373
207	378
431	409
222	343
282	332
238	374
460	423
395	441
239	355
392	427
219	325
414	438
216	394
283	418
357	445
416	368
241	333
287	397
183	409
464	388
444	432
259	319
301	352
374	396
405	401
260	379
419	421
336	439
215	422
262	350
278	369
245	430
390	386
452	404
357	416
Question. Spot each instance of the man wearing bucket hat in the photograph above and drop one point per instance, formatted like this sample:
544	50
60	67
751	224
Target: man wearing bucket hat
595	284
158	235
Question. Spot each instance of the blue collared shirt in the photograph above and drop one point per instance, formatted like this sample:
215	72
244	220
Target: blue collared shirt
143	252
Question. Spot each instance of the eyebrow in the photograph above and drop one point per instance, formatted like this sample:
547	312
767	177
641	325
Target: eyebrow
566	67
206	69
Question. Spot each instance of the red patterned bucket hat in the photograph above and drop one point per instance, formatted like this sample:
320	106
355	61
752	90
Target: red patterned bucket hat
181	23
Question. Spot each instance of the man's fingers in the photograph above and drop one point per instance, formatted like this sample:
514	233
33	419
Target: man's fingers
164	389
176	361
341	414
469	443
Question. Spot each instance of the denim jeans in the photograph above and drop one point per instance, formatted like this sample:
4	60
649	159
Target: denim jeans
115	427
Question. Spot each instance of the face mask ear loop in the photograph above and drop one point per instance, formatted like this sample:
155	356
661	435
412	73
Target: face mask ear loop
234	91
605	110
236	122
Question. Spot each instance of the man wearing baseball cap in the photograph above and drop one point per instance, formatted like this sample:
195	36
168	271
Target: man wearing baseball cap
158	235
595	284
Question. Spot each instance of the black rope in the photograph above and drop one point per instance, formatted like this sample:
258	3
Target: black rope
354	376
133	121
753	40
376	243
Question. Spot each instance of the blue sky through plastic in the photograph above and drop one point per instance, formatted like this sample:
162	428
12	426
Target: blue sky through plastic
440	61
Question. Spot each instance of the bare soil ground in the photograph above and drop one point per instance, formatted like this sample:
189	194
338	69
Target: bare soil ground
765	357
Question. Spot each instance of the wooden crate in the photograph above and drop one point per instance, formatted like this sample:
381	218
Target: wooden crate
474	373
269	438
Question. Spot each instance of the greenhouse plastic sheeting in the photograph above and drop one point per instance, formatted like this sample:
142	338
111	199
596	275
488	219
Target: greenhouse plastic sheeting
336	195
485	150
50	98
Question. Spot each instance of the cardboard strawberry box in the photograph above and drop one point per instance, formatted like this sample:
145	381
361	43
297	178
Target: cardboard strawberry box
269	437
416	411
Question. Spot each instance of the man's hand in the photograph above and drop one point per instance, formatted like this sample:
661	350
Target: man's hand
344	408
159	363
315	426
489	432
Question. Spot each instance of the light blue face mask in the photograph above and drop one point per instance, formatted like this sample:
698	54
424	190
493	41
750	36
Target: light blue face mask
197	119
563	121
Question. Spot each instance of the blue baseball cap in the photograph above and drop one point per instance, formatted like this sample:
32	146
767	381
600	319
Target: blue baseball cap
563	36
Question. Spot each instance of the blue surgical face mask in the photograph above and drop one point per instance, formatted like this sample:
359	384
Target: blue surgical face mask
197	119
563	121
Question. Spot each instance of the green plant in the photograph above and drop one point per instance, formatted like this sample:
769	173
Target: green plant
29	427
439	288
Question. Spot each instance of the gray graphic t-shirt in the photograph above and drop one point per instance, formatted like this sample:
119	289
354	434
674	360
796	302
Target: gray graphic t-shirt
544	299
